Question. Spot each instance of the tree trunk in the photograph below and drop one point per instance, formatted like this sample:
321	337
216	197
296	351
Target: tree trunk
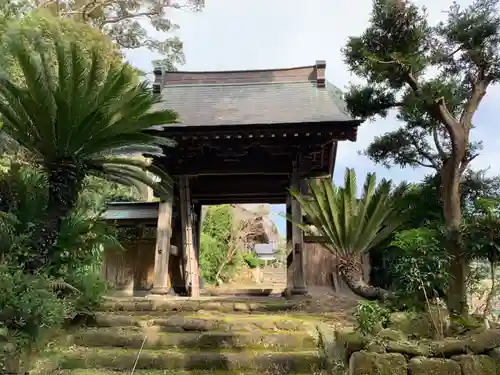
65	182
458	268
352	275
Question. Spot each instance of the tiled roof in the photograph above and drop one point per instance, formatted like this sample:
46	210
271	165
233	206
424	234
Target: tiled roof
255	103
251	97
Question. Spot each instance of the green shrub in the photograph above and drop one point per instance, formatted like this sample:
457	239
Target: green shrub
29	309
212	254
214	245
88	297
251	260
218	223
370	316
420	269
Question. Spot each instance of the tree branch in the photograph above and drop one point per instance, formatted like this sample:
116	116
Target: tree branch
439	147
422	164
128	16
466	162
426	155
478	91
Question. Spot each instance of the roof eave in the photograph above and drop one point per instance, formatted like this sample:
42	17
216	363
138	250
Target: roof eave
181	128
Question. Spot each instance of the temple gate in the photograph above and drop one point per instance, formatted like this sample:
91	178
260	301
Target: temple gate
243	137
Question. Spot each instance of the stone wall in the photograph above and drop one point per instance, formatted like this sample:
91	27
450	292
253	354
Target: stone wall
389	352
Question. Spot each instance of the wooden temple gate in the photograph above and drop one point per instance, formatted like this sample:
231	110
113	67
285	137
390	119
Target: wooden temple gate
243	137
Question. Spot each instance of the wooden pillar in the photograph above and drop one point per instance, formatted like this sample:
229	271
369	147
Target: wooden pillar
192	279
299	281
161	284
197	212
289	245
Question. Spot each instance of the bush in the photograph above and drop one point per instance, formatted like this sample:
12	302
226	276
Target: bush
370	316
215	245
218	223
88	296
212	254
29	311
419	270
251	260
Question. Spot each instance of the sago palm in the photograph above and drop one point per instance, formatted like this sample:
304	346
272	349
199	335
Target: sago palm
351	226
79	116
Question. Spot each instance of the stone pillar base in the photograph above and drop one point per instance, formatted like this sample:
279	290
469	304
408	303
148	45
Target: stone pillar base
298	291
160	291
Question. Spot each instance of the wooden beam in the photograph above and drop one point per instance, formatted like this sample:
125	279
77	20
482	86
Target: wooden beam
315	239
345	129
192	278
241	200
244	161
210	165
333	159
238	186
161	282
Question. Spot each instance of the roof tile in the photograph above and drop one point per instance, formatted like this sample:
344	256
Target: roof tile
254	103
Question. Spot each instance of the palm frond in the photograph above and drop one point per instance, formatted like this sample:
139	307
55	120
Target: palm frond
71	107
352	225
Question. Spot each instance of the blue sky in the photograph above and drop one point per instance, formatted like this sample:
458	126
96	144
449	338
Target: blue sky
265	34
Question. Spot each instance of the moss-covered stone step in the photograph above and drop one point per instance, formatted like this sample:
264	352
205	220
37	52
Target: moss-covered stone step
134	339
124	359
182	323
177	372
210	304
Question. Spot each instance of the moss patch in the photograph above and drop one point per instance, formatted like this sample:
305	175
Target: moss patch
476	364
365	363
214	304
433	366
177	372
133	339
116	359
183	323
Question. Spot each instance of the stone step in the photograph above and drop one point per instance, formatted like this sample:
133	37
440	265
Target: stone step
134	338
124	360
271	304
177	372
227	323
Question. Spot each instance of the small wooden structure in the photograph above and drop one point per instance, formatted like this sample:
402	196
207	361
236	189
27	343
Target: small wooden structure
243	137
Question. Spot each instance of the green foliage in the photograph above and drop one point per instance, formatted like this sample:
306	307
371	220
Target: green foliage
422	205
370	316
78	115
23	202
110	111
483	229
28	308
420	266
214	241
89	294
435	76
122	22
219	259
393	55
77	255
251	260
212	254
352	225
218	222
40	25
